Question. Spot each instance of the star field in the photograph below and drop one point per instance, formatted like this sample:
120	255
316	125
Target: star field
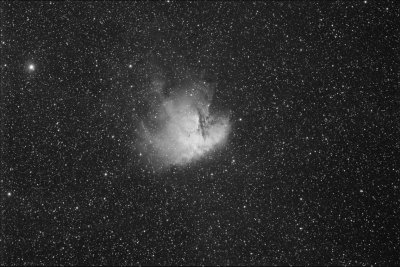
309	174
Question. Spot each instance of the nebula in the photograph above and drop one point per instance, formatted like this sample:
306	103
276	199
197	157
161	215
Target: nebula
179	128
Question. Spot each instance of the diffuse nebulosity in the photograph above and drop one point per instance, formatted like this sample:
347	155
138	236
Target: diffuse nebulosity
179	127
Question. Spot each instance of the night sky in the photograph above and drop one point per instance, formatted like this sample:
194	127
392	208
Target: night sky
309	172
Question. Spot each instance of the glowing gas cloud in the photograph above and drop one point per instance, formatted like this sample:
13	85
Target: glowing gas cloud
179	128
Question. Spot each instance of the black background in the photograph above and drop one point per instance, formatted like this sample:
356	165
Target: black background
310	173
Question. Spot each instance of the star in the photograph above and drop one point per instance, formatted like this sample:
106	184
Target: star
30	67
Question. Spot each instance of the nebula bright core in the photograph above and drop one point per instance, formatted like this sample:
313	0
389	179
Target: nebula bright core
182	129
